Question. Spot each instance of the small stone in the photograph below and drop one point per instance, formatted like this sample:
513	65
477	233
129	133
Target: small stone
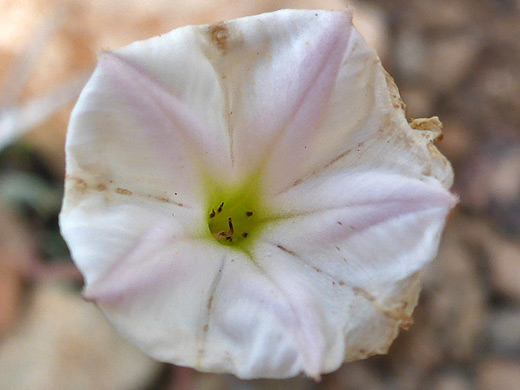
418	100
505	181
504	264
268	384
203	381
458	139
65	343
451	380
495	374
411	54
450	59
353	376
442	14
503	331
455	295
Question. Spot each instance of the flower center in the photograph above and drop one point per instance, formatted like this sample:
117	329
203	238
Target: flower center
232	222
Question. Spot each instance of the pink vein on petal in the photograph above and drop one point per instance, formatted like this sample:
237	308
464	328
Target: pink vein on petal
163	114
322	69
412	197
136	270
349	228
308	337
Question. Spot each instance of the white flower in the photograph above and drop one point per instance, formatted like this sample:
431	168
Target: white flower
247	197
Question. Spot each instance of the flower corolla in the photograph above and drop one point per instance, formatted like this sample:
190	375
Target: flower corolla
248	197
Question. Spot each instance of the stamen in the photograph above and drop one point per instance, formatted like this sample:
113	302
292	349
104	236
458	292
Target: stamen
228	234
238	218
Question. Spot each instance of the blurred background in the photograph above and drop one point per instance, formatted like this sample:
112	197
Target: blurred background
458	59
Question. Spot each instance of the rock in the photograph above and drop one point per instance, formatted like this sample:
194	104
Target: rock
490	180
455	295
17	246
457	142
410	54
353	376
451	380
442	14
65	343
450	60
502	254
269	384
504	265
503	331
204	381
449	320
505	182
474	181
494	374
419	101
417	351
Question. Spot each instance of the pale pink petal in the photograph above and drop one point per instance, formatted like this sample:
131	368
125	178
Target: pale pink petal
159	295
197	303
182	297
371	226
276	71
347	323
142	133
304	305
101	224
259	328
358	240
361	126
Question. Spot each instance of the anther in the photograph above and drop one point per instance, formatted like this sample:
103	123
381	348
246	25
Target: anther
220	207
212	214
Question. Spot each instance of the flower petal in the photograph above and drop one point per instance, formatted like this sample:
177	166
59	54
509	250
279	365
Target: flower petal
385	224
277	71
184	298
265	329
132	104
349	324
356	241
102	224
361	126
197	303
